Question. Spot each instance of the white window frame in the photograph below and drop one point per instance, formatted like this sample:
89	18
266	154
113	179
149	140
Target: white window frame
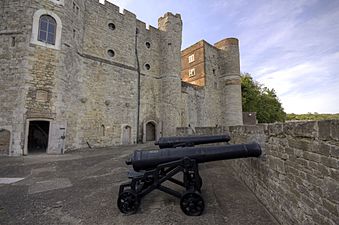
191	58
35	29
191	72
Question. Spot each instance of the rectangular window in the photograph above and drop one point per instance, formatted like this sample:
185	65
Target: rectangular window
13	42
191	58
191	72
74	33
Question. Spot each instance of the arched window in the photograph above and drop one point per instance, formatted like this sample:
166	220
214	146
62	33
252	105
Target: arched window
47	29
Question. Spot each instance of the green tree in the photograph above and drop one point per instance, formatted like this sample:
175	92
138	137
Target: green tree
262	100
312	116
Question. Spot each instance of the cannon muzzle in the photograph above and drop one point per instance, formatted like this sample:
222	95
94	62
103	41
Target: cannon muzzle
189	141
150	159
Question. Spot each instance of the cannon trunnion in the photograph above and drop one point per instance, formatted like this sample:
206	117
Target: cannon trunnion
153	167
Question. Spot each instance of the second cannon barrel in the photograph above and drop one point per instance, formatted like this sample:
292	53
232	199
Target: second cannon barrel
172	142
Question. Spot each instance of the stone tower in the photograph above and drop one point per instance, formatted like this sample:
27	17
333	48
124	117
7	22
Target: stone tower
171	36
230	81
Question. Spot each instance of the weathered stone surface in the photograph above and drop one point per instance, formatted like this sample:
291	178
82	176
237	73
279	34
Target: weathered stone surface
329	130
94	94
298	182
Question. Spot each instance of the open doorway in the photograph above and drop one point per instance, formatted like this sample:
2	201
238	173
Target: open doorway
5	141
150	131
38	137
126	135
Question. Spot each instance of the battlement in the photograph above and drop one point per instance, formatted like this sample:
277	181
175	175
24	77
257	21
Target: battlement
169	15
144	28
227	42
109	7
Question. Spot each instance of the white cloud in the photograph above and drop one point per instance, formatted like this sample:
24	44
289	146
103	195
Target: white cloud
292	49
307	87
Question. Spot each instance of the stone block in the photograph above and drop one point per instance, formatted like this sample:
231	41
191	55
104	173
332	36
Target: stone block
333	173
302	144
324	149
330	162
312	156
301	129
332	189
276	129
334	152
331	207
329	129
277	164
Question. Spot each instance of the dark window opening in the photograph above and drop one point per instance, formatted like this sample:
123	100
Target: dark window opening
74	33
147	67
148	45
103	130
13	42
213	71
47	29
110	53
111	26
38	136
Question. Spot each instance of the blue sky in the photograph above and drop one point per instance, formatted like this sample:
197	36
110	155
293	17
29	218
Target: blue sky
289	45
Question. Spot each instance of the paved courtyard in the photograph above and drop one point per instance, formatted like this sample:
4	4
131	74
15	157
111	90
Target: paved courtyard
81	187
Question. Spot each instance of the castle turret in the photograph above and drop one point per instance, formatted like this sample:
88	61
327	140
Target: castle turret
231	99
171	27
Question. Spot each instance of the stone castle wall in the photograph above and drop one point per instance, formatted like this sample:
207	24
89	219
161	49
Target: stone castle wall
296	178
87	83
13	70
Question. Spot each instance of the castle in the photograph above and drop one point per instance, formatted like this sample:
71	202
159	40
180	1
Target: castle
80	73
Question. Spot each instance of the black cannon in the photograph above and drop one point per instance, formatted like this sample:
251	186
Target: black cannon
190	141
153	167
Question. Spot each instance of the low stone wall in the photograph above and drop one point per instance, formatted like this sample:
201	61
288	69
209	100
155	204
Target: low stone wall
297	177
184	131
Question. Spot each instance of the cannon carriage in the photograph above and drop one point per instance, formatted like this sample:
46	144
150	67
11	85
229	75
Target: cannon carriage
154	167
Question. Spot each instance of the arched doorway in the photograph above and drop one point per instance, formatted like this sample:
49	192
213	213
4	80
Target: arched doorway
38	134
150	131
5	140
126	135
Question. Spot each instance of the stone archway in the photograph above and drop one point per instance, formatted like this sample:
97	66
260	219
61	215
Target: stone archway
150	131
5	141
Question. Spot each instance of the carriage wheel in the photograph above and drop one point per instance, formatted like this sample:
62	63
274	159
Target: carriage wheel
128	202
192	204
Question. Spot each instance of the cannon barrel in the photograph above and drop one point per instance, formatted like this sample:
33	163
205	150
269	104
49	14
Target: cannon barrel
150	159
172	142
